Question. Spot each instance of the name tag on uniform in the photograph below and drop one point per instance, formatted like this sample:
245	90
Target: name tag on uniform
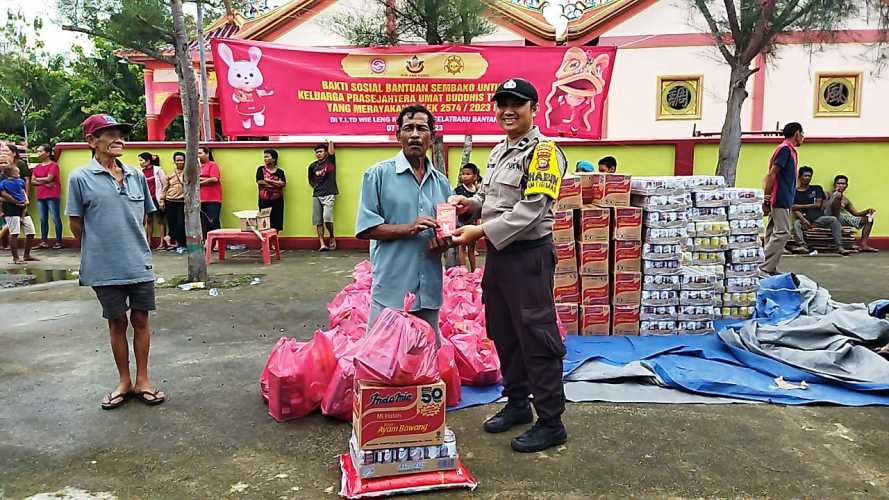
544	176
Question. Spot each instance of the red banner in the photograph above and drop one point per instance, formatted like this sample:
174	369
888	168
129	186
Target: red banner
266	89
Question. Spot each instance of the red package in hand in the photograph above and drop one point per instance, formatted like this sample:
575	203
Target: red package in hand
298	377
398	350
446	217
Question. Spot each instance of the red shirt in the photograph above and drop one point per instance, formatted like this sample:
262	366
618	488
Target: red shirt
211	192
53	189
148	172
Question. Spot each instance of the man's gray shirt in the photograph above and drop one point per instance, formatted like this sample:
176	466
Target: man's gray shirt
113	248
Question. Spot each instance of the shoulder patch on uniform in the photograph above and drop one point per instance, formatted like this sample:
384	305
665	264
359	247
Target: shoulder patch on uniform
544	174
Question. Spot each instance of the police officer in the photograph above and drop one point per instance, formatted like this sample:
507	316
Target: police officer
515	204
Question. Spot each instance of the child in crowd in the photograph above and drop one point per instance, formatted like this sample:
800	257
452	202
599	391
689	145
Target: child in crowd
15	204
470	178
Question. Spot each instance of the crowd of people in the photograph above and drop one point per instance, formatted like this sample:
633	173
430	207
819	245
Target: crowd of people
166	190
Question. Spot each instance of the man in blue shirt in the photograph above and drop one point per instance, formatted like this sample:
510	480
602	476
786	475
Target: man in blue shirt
397	211
107	206
780	192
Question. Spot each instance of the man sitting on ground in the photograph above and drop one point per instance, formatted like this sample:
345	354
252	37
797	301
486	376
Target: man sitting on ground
807	206
839	206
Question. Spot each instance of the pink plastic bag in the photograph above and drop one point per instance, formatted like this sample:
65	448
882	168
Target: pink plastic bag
298	377
362	273
398	350
264	376
477	359
563	333
450	375
339	397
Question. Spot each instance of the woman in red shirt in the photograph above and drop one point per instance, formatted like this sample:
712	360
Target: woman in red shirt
157	186
211	191
47	179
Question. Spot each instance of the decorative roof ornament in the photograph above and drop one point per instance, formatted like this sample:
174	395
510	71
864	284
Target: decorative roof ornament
557	15
554	13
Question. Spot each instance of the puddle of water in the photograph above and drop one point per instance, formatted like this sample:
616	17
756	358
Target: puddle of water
24	276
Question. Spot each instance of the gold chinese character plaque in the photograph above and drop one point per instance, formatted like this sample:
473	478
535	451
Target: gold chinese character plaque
679	97
838	94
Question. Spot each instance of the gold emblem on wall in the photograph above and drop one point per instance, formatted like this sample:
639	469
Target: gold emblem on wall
838	94
679	97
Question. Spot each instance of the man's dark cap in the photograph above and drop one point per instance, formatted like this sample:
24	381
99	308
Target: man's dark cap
517	87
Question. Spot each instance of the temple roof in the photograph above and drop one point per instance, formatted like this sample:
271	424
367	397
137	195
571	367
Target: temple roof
586	20
581	20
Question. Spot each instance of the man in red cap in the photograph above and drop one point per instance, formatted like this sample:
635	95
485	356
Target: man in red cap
107	206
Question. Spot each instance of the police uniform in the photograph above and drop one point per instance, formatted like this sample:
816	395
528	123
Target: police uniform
515	202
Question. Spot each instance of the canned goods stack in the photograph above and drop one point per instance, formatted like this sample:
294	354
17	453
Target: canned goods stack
704	257
664	201
400	430
405	459
700	254
745	253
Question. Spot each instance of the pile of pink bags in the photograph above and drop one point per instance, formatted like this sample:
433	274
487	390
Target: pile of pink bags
301	377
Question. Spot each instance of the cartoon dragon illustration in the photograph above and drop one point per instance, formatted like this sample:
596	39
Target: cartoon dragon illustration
579	80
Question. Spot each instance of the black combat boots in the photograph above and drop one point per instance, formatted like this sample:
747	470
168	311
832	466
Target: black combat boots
545	434
515	412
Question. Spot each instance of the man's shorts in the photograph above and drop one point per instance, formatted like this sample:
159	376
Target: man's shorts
18	224
848	219
322	209
116	300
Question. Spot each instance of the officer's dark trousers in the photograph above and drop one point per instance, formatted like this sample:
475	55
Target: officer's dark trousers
521	320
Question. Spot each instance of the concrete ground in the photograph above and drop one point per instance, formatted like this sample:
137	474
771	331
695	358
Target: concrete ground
214	439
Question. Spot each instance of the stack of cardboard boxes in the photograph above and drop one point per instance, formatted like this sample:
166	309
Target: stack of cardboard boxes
400	430
597	238
699	260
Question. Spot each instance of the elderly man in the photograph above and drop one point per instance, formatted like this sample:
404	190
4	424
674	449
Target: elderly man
397	211
107	205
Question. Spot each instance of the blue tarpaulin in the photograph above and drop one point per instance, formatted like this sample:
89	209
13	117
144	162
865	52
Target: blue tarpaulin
704	364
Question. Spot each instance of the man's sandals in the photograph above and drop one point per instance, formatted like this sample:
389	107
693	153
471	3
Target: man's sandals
112	401
150	398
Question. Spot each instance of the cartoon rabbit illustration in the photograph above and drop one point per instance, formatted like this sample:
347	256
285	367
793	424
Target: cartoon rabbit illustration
246	78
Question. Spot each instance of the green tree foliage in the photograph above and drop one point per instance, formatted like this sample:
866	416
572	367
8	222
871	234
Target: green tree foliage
431	21
161	30
64	89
